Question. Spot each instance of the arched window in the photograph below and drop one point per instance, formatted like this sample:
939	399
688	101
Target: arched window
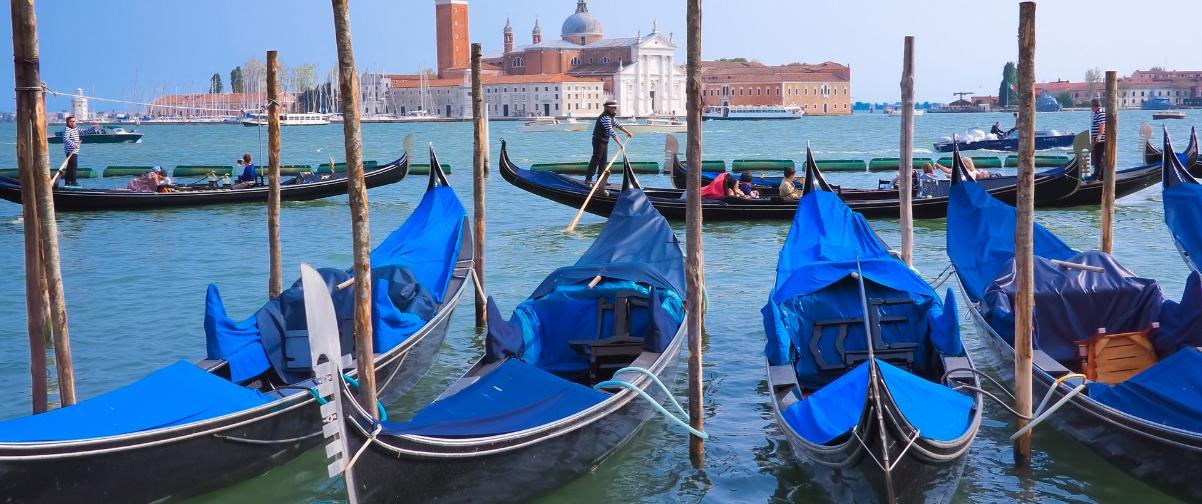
575	60
605	59
518	62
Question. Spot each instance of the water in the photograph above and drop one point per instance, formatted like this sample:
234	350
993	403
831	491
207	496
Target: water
135	286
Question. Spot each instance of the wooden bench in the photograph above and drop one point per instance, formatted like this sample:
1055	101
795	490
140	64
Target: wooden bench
1113	358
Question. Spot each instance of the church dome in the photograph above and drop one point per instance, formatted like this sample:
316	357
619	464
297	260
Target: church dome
581	25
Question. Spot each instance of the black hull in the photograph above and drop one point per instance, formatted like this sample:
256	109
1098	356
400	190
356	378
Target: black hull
670	203
101	139
107	199
506	468
1152	155
1010	144
1126	182
171	464
928	472
1165	458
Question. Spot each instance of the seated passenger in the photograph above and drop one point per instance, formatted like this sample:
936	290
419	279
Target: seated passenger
745	186
788	190
928	181
248	177
997	130
147	182
731	188
969	167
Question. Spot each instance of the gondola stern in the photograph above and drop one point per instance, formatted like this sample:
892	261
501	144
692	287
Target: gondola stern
1172	172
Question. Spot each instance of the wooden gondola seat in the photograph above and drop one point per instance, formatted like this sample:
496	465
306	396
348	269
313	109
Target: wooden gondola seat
1113	358
607	355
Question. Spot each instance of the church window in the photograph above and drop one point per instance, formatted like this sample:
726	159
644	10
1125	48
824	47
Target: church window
518	63
605	59
575	61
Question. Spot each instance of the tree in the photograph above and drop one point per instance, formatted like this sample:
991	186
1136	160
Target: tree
734	60
236	85
1005	92
1065	98
215	84
1156	69
304	77
1093	77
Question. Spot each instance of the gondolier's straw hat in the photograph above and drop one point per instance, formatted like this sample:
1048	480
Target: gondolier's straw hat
611	103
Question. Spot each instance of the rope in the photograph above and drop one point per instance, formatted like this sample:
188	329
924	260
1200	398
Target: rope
942	277
379	405
1039	418
366	442
658	407
48	89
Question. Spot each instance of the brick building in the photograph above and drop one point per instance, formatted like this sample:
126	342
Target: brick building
1179	87
822	89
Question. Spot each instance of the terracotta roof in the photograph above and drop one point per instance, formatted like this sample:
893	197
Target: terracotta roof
597	69
1062	86
493	79
731	71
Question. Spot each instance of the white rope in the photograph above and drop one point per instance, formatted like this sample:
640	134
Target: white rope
367	442
48	89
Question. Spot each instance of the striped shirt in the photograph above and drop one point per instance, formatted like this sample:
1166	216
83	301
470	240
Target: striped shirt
606	122
1095	126
71	141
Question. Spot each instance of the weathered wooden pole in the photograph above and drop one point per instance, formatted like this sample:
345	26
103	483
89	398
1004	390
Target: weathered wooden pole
694	257
275	278
905	164
479	171
1111	131
1024	252
348	87
36	316
31	135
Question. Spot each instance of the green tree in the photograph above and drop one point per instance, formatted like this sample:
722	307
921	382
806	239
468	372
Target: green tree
1005	92
1065	98
236	84
734	60
215	84
1093	77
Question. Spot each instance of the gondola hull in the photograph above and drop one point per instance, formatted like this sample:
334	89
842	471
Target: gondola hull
1010	144
171	464
507	468
1163	457
109	199
1126	182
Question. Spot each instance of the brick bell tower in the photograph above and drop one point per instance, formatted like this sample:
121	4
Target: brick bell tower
450	17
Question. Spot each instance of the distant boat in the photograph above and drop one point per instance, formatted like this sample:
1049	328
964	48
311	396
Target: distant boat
98	134
978	140
547	124
1047	103
1158	103
753	112
651	125
898	112
305	119
1168	114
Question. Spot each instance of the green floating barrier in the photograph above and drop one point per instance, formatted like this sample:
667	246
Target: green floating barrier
581	167
126	171
79	173
887	164
761	164
711	165
201	170
341	167
293	169
841	165
424	168
978	161
1040	161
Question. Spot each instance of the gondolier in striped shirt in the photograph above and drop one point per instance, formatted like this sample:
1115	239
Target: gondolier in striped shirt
71	144
603	130
1097	138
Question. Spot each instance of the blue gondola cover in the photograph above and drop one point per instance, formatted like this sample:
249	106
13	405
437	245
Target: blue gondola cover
1182	209
1168	393
175	395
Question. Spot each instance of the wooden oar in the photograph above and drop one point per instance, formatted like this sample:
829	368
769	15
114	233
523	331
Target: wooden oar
60	170
600	180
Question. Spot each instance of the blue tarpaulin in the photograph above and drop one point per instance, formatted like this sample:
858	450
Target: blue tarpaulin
1183	215
428	242
939	413
1168	393
175	395
515	396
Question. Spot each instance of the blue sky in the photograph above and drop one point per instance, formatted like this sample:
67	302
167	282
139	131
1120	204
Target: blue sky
961	45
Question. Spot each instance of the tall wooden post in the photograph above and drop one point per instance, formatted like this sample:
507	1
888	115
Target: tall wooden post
479	171
275	278
348	87
36	316
694	257
1111	146
905	165
1024	252
31	139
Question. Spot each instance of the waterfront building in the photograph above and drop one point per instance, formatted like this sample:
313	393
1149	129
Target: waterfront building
506	96
1180	88
822	89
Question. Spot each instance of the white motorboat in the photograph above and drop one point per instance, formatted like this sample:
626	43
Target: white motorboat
753	112
302	119
545	124
656	125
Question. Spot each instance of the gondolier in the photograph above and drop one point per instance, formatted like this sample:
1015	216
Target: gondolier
603	130
71	144
1097	138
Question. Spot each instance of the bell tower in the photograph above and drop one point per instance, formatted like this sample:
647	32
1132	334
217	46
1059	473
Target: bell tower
536	36
508	37
450	20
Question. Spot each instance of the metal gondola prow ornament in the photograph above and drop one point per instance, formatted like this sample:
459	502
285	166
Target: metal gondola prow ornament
327	360
628	178
437	176
813	176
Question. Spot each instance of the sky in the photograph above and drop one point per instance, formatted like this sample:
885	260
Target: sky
133	48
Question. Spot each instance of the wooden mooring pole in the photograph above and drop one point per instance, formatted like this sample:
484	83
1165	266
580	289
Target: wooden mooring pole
275	277
479	172
1112	136
348	87
694	258
35	155
905	164
1024	255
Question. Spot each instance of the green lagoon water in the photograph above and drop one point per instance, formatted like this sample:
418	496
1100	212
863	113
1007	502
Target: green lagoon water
135	284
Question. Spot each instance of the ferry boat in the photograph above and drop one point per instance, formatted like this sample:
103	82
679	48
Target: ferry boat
1158	103
302	119
101	134
545	124
752	112
657	125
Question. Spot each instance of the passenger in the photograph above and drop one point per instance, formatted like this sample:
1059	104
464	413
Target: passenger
788	190
928	181
147	182
248	178
731	188
969	167
745	186
165	184
997	130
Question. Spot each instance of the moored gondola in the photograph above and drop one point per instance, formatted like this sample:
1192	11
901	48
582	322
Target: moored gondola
1182	199
870	382
302	187
671	204
541	408
191	428
1188	157
1107	343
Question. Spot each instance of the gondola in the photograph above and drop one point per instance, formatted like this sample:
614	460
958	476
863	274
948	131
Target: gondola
1182	199
1188	158
671	203
300	188
869	379
541	408
191	428
1137	405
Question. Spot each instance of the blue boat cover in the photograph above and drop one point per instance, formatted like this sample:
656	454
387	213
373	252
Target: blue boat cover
175	395
411	269
512	397
814	284
1182	209
1168	393
980	237
939	413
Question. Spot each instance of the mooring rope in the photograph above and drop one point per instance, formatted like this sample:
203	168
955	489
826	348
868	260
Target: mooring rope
659	407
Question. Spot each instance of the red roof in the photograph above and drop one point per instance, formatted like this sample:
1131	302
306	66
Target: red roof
495	79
